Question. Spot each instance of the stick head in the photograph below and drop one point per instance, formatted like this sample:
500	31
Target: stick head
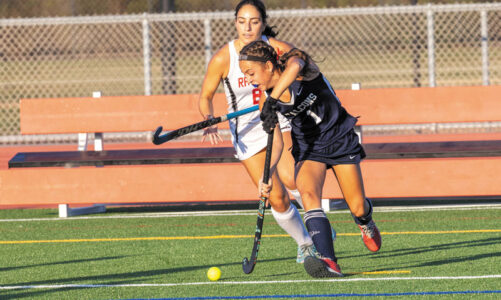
248	266
156	135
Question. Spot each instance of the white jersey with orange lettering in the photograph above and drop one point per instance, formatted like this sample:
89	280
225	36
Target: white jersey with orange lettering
247	133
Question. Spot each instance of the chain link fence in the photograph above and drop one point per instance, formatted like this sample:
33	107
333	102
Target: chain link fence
66	8
379	47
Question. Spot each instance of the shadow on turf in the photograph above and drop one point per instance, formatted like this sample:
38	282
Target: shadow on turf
112	279
253	204
63	262
18	294
430	249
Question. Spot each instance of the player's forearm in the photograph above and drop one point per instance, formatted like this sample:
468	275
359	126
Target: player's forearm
276	152
209	87
288	76
205	107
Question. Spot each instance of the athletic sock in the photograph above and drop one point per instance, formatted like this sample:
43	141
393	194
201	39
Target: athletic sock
321	232
364	219
297	196
290	221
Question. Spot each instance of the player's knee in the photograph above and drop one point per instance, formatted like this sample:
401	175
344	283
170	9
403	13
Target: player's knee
358	208
310	197
280	204
279	200
280	207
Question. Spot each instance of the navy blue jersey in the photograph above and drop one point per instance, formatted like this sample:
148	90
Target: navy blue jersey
315	111
321	127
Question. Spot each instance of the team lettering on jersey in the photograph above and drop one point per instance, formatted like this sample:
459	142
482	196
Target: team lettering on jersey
242	82
303	105
256	93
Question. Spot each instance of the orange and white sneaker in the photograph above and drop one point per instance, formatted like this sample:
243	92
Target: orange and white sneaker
321	267
371	236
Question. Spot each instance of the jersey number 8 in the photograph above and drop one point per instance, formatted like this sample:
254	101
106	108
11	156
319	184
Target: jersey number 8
256	96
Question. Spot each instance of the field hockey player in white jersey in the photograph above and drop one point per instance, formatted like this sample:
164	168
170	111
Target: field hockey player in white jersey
248	137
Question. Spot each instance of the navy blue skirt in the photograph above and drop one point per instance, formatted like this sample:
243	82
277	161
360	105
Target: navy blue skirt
344	150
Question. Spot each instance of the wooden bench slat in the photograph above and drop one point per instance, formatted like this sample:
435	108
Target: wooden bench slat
146	113
451	177
227	154
123	157
112	113
424	105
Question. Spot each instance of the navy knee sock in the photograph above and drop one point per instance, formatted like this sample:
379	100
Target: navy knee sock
364	219
320	231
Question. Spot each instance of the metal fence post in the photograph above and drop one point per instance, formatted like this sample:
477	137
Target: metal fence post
431	47
485	47
146	56
208	41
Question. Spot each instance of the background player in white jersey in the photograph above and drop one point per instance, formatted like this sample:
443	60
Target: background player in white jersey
248	136
323	138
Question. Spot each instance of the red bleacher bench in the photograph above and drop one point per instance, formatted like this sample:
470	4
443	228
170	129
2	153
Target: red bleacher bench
466	168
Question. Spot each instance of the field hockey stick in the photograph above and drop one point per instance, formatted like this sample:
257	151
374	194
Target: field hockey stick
160	139
248	265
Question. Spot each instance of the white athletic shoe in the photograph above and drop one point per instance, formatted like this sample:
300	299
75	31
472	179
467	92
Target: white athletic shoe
305	251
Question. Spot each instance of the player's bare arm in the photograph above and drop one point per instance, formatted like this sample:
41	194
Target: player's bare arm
288	76
280	47
216	70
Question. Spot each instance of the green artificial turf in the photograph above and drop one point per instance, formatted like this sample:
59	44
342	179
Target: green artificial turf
162	255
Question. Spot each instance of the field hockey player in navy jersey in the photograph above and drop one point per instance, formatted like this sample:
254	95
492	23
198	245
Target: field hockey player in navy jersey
323	138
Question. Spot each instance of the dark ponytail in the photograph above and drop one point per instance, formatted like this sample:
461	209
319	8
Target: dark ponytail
270	31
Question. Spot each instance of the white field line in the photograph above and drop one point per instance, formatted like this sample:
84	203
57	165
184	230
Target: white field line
61	286
252	212
437	207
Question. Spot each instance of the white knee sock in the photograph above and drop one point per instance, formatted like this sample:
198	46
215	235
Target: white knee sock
297	196
290	221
